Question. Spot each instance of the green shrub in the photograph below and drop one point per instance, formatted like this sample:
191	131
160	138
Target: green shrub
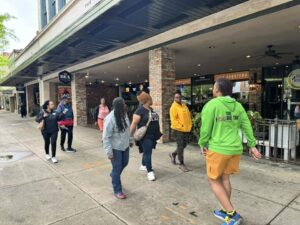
196	124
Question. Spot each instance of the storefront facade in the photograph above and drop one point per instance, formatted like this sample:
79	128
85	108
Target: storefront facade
111	54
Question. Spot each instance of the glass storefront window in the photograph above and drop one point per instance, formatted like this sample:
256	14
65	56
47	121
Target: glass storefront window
201	95
240	92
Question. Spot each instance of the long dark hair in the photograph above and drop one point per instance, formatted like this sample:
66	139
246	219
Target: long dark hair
45	105
120	114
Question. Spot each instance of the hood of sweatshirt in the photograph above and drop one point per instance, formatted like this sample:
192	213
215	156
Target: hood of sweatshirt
228	102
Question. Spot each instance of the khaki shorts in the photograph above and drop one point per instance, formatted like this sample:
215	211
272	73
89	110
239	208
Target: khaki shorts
218	164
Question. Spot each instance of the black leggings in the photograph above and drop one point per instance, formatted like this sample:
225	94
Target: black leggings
63	136
50	137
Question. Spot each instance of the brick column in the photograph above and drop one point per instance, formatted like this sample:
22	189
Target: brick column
78	86
162	85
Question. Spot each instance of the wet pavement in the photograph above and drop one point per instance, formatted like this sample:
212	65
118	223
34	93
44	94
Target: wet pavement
78	190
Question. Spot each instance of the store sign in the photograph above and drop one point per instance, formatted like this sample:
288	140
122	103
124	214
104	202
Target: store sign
183	81
65	77
205	79
294	79
244	75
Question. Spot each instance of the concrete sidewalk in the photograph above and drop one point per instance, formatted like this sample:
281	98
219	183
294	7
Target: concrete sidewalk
78	189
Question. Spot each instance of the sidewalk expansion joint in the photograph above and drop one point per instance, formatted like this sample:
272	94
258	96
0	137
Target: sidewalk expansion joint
283	209
257	196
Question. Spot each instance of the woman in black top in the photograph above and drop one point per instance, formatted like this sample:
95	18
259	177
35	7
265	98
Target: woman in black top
50	129
148	143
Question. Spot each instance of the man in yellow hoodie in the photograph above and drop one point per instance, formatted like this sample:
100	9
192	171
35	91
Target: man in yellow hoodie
181	124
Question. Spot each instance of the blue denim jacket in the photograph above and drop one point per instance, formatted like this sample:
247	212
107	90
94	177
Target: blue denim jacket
112	137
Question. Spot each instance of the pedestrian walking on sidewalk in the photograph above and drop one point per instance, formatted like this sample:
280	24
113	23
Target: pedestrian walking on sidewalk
101	112
146	116
23	110
222	119
48	120
66	125
181	124
116	135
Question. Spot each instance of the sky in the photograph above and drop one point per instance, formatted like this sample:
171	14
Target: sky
25	24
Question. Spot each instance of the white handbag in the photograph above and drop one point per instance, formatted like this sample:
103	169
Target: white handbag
141	132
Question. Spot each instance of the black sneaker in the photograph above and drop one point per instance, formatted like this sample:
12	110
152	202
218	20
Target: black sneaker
71	149
62	148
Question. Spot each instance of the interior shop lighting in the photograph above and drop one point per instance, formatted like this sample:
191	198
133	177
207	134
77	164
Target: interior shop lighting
248	56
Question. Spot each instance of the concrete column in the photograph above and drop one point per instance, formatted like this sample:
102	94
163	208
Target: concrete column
162	85
44	89
17	103
78	86
29	99
12	103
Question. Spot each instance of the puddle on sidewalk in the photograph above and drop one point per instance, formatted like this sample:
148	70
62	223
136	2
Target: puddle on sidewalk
7	157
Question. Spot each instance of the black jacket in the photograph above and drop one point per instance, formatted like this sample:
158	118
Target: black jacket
50	121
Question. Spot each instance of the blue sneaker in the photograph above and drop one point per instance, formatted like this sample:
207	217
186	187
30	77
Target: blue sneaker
220	214
235	220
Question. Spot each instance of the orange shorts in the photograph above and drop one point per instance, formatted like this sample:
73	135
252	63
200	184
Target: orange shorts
218	164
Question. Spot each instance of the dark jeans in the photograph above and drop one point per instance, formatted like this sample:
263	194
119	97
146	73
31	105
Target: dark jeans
23	114
63	136
147	145
119	162
50	138
182	139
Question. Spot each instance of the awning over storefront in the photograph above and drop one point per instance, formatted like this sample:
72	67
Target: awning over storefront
126	23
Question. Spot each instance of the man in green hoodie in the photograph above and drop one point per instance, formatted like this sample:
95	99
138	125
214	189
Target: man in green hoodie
221	144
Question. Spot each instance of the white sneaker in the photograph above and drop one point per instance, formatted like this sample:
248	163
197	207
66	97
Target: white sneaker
151	176
143	168
47	156
54	160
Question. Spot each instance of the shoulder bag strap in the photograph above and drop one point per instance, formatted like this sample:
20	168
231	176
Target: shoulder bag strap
150	117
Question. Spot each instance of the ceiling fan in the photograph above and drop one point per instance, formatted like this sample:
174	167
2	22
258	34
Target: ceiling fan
271	52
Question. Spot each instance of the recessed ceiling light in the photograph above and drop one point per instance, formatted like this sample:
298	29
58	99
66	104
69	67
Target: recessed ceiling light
195	74
287	66
90	83
248	56
230	69
86	76
117	85
146	80
129	83
277	63
102	81
199	64
128	67
117	78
